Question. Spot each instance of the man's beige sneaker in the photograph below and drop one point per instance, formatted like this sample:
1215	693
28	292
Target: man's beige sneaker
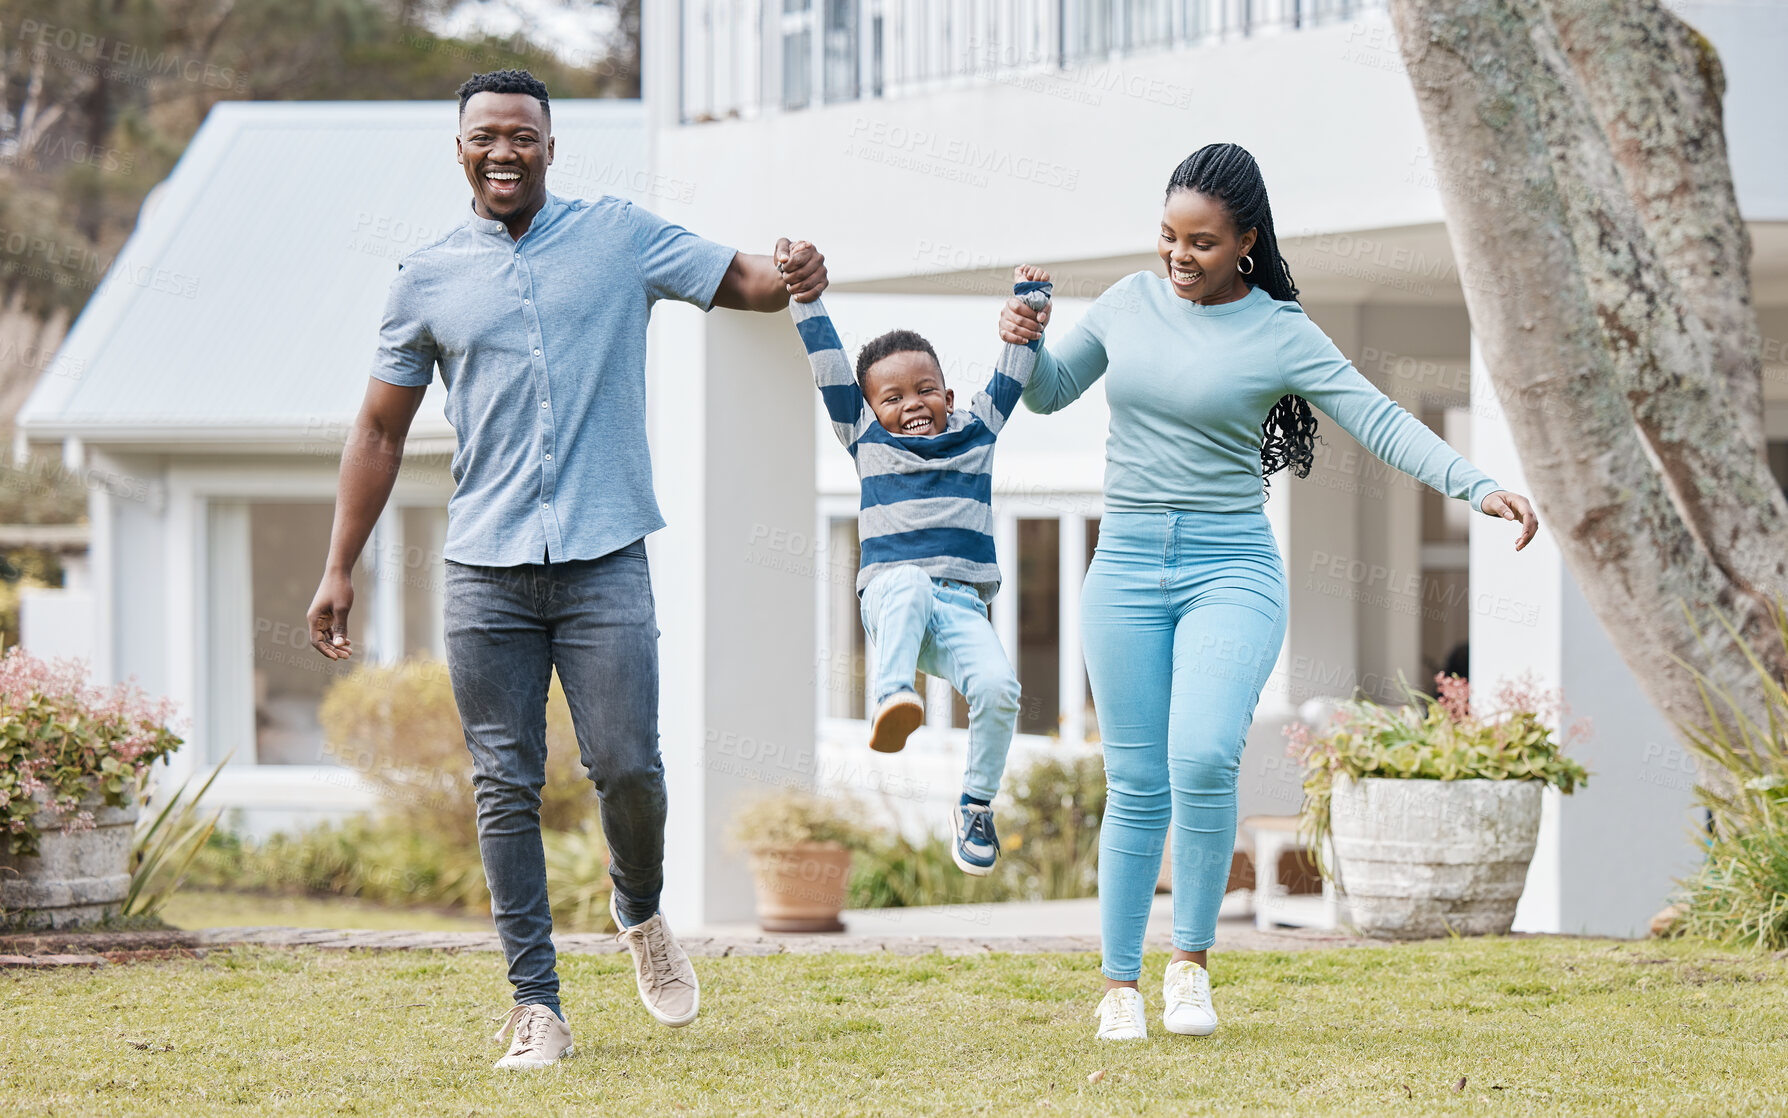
661	969
895	720
537	1037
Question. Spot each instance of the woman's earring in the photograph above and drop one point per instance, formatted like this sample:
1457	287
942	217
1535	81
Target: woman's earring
1249	270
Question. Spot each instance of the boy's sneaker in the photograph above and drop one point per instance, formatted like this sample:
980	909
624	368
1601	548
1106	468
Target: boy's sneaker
973	842
661	969
1120	1015
895	720
538	1038
1187	994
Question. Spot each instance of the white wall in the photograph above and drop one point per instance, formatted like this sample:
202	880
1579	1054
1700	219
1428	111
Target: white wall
734	584
1609	855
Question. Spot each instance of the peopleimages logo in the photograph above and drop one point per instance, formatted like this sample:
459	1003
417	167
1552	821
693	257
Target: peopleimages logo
124	58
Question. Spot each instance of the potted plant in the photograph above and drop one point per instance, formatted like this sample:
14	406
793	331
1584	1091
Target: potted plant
71	758
1433	807
800	844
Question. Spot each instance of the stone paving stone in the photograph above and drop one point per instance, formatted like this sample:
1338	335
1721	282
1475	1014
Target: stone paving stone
909	945
739	947
593	943
52	961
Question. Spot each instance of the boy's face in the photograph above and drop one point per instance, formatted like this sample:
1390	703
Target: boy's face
908	394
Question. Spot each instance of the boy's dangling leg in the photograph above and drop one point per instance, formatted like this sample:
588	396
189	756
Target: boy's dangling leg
897	607
965	649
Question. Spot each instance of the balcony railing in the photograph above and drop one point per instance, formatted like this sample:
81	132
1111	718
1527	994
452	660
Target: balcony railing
741	58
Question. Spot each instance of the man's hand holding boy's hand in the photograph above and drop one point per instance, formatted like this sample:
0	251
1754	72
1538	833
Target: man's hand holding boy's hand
1019	324
803	269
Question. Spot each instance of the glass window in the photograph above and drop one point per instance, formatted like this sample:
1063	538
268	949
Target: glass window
263	681
1778	462
797	53
1039	625
423	574
841	50
1147	23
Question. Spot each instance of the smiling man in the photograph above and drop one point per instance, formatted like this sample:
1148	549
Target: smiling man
535	311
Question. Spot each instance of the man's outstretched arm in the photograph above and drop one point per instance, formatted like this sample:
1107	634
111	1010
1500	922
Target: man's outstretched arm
369	464
757	283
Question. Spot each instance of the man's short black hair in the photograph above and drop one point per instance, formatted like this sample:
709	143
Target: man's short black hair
505	81
894	341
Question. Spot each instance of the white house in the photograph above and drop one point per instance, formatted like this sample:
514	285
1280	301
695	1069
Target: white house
929	145
926	146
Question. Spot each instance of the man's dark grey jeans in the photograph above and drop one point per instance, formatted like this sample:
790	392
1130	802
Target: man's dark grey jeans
507	629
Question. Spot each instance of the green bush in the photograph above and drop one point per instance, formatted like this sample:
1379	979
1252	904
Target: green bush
793	816
1740	896
399	727
368	858
1048	820
1436	739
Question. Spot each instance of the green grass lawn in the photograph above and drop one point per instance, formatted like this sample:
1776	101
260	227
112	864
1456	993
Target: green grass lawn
1536	1027
192	909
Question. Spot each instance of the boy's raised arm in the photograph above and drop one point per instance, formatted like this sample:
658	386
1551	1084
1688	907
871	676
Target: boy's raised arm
832	371
1012	371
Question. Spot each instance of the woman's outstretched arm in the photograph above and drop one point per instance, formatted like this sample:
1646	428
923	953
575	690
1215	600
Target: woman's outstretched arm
1316	370
1062	375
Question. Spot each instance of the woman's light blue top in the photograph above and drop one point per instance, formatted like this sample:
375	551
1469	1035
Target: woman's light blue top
1189	386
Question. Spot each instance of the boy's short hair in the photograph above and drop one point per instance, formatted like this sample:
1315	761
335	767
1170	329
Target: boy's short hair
894	341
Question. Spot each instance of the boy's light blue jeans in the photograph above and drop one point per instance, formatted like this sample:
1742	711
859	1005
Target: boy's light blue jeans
940	627
1181	619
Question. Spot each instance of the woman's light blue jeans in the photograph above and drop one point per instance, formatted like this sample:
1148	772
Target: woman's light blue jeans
1181	619
940	627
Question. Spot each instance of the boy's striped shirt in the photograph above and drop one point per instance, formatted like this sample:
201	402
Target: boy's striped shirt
927	501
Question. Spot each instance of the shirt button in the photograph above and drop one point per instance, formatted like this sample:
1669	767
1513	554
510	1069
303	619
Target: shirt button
545	505
543	403
518	256
527	302
536	353
549	457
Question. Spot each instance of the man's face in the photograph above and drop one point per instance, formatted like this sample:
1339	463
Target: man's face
907	392
505	144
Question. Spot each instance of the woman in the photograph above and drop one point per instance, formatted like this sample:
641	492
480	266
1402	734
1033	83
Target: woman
1184	607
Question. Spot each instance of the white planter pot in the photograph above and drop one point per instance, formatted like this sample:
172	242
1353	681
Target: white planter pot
1420	858
76	877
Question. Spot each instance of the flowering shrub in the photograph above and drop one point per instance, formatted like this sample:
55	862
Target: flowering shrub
1440	738
64	740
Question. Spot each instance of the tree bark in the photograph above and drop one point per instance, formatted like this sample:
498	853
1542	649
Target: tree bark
1606	270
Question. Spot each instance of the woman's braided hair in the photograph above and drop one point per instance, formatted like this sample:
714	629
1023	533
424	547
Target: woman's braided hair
1227	173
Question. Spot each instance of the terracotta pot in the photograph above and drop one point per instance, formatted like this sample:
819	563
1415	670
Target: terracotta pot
1420	858
801	888
76	877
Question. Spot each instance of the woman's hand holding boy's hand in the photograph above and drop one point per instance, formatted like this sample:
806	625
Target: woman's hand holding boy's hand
1019	324
803	269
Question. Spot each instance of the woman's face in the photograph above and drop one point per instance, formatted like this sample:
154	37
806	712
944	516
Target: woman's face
1200	246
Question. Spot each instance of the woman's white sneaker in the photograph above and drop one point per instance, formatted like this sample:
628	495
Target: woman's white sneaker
1186	994
1121	1015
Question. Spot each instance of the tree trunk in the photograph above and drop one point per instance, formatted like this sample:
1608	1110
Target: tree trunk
1606	269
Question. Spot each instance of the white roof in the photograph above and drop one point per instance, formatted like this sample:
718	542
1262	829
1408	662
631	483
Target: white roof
245	307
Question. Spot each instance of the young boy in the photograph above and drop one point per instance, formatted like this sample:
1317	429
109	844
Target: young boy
928	570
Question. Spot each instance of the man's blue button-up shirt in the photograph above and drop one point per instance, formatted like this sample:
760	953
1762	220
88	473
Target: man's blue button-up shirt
542	346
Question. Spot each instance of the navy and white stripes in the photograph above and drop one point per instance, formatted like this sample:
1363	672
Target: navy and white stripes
927	501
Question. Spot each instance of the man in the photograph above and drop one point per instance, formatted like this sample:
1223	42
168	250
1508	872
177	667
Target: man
535	310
